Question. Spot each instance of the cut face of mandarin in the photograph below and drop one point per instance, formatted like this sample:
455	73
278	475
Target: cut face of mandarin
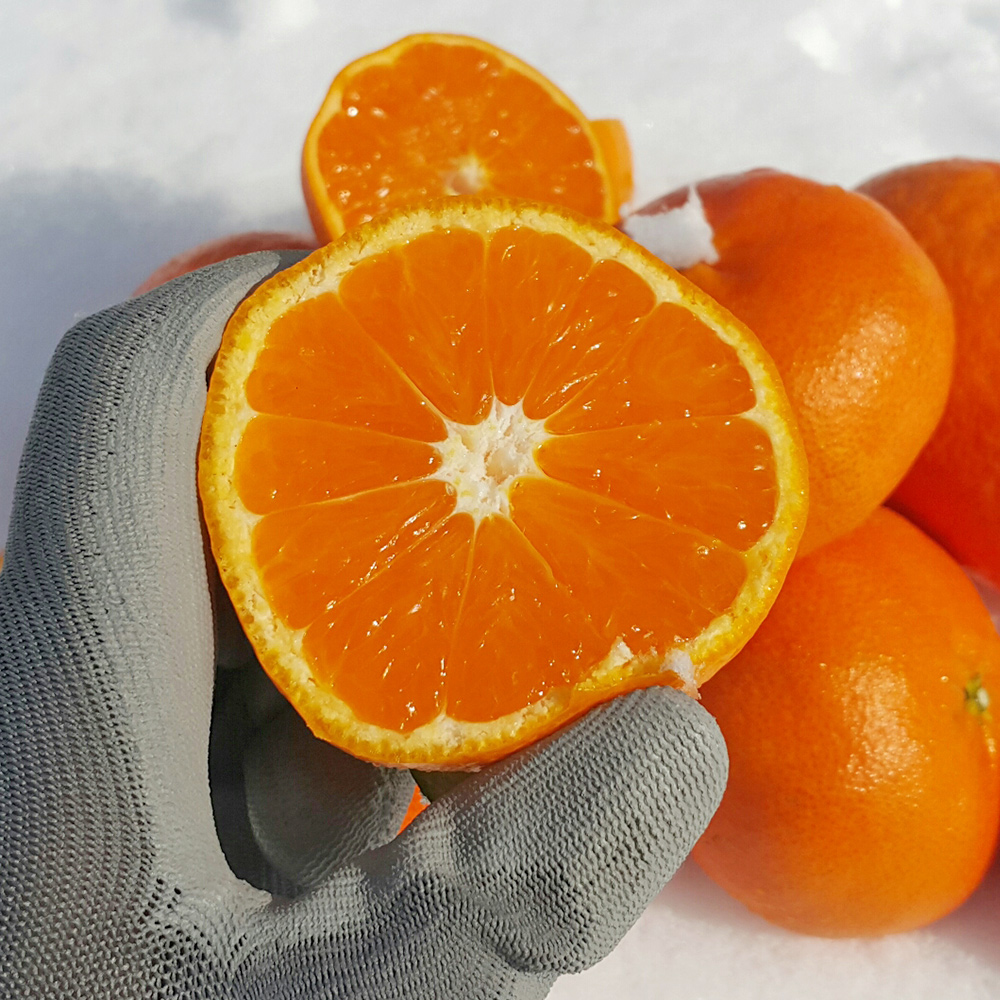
438	114
480	465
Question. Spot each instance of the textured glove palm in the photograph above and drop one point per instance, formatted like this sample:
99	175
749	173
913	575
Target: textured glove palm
125	873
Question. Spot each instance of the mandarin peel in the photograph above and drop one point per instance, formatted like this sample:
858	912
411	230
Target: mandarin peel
855	720
952	209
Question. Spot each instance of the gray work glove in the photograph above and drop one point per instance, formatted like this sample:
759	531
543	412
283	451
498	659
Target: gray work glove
126	872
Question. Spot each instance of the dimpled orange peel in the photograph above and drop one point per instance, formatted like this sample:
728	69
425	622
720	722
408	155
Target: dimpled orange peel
952	209
864	742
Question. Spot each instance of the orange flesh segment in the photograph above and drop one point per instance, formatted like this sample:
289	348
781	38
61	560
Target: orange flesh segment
713	474
531	279
641	384
383	649
318	364
282	462
613	562
433	285
611	300
430	124
312	558
515	614
407	606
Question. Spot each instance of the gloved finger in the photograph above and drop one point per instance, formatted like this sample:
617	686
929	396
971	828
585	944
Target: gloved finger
313	807
104	605
288	807
234	723
530	869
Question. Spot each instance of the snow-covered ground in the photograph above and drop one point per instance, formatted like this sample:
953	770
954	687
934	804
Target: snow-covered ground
129	131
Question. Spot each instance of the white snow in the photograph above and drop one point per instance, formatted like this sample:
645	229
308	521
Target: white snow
680	663
129	131
681	237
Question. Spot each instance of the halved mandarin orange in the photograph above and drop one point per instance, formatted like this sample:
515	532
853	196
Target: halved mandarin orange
435	115
480	465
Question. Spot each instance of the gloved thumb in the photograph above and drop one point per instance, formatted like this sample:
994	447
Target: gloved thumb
533	868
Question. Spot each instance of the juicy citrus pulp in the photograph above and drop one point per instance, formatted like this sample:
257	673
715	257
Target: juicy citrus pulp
436	115
479	465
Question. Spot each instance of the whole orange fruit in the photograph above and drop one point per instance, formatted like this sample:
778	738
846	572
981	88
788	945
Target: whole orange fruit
864	788
952	209
853	313
222	249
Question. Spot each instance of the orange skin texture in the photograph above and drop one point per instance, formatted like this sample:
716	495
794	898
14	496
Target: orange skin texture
952	209
855	317
417	805
222	249
864	788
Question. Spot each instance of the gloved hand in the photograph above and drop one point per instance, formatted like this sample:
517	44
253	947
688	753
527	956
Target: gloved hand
126	872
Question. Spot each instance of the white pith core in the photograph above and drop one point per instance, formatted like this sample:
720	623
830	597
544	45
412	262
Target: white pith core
481	461
468	177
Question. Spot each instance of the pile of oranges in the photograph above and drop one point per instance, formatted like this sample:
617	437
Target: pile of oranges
864	792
